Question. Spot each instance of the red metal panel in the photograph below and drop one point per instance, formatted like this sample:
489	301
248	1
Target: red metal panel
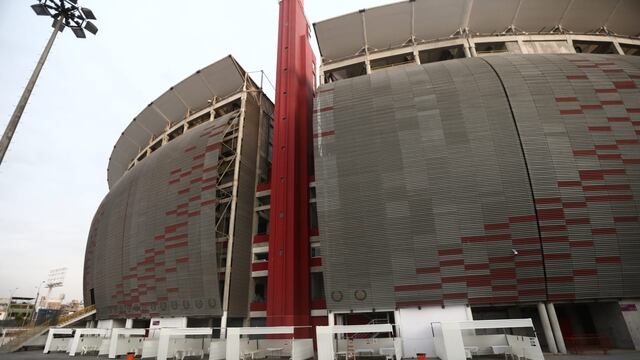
288	286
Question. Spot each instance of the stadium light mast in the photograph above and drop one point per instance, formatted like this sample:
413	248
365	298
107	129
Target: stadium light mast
65	13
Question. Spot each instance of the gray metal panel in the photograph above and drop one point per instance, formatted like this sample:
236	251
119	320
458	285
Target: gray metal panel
578	118
423	190
418	172
150	249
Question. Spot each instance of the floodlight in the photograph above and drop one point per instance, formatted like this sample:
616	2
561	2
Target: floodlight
88	14
41	9
78	32
90	27
55	22
64	13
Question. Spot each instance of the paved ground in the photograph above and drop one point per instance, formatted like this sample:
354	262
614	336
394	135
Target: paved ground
38	355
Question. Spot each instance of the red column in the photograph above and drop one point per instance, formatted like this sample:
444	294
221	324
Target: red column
288	299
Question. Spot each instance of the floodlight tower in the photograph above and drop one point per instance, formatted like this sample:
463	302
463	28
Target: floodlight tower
56	279
65	13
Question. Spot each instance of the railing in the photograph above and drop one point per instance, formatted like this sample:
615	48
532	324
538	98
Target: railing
580	344
74	315
31	332
17	342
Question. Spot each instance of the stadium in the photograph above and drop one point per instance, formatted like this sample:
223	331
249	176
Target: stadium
463	161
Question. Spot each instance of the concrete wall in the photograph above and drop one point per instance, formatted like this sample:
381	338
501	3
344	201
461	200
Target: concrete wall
632	319
415	327
609	322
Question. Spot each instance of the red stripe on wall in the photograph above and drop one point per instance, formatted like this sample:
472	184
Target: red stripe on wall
551	228
324	109
607	147
496	226
544	201
176	245
444	252
585	272
481	266
550	214
528	263
525	241
523	218
569	183
608	260
580	243
584	152
627	84
418	303
571	112
626	218
558	256
605	198
454	262
606	187
417	287
324	133
603	231
566	99
428	270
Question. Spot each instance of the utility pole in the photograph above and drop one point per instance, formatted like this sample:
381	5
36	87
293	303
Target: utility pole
65	13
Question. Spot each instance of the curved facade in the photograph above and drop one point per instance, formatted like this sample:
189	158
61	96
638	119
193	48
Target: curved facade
162	240
492	180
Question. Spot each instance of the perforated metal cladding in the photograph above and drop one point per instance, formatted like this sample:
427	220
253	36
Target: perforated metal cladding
423	190
579	118
151	248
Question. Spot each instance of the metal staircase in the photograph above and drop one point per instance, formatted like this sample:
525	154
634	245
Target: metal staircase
33	332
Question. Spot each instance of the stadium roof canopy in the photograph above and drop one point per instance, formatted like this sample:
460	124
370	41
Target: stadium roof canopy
395	25
220	79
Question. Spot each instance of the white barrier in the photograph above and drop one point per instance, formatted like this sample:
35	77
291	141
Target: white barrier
327	347
451	345
121	346
57	344
87	340
217	349
235	348
185	348
302	349
150	347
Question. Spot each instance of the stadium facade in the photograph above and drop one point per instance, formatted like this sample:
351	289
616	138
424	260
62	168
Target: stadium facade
471	160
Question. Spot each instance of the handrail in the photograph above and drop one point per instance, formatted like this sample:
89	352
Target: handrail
67	318
29	332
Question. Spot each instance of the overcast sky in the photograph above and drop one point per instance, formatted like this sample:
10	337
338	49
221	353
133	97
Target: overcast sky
54	175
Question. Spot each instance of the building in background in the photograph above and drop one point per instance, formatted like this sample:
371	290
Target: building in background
472	160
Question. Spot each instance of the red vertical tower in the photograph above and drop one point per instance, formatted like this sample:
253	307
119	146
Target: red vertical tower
288	298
